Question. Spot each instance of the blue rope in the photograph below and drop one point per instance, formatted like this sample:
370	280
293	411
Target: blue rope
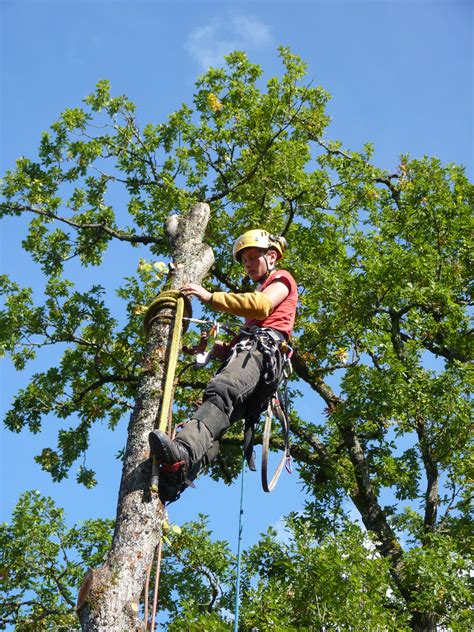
239	551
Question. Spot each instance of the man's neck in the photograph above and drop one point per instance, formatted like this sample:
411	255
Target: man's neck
262	280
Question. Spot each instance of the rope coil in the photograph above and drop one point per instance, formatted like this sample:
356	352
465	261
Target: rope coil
167	300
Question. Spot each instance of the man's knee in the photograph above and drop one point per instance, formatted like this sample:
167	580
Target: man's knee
213	417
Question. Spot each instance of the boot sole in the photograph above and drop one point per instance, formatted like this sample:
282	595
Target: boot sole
169	491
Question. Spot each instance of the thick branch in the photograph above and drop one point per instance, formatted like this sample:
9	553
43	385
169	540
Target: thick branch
313	441
439	348
366	500
314	380
363	496
431	468
432	479
395	334
395	192
121	236
222	278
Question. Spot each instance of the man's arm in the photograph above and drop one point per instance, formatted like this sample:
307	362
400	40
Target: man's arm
256	305
276	292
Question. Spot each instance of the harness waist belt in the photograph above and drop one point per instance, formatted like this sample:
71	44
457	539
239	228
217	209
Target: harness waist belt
254	330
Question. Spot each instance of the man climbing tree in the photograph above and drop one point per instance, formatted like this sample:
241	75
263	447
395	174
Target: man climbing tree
254	362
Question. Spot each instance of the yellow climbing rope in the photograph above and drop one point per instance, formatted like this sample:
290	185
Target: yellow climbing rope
181	305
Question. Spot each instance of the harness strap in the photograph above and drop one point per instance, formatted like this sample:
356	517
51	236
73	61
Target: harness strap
274	408
249	438
268	341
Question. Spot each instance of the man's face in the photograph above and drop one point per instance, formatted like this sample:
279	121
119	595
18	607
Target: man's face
253	260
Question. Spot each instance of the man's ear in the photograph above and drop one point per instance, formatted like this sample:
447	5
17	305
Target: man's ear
273	254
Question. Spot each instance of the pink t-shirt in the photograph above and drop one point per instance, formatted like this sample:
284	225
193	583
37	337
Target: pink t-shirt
283	316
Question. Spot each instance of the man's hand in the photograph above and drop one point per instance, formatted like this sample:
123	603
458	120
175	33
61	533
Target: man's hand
193	289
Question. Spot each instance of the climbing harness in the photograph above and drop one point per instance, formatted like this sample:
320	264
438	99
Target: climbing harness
267	341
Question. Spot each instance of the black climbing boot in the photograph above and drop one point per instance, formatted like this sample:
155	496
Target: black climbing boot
197	440
167	451
175	464
194	446
172	482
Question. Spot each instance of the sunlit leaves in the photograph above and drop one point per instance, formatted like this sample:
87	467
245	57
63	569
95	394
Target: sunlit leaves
300	583
42	563
95	377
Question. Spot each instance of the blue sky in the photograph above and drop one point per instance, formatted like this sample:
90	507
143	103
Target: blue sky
400	73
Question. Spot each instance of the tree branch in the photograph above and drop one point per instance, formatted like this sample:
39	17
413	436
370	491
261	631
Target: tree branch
438	348
432	479
106	379
314	380
363	496
121	236
392	188
430	465
262	154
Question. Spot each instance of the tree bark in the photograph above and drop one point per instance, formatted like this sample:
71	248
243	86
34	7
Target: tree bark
109	597
423	622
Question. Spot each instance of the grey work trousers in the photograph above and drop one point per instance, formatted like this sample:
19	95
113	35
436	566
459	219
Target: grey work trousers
236	391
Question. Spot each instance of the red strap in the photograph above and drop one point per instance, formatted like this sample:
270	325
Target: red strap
173	467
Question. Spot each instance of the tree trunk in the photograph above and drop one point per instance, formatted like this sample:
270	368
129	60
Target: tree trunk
423	622
109	597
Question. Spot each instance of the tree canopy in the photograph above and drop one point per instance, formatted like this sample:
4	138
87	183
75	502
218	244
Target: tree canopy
382	337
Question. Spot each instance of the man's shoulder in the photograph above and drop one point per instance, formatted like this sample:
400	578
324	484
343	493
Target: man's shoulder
283	275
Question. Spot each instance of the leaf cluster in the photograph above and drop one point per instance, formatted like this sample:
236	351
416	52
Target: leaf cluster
43	562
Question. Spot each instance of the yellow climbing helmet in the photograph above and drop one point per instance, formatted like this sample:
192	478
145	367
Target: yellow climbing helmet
259	238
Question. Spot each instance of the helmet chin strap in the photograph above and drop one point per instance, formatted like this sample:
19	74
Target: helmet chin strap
268	272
